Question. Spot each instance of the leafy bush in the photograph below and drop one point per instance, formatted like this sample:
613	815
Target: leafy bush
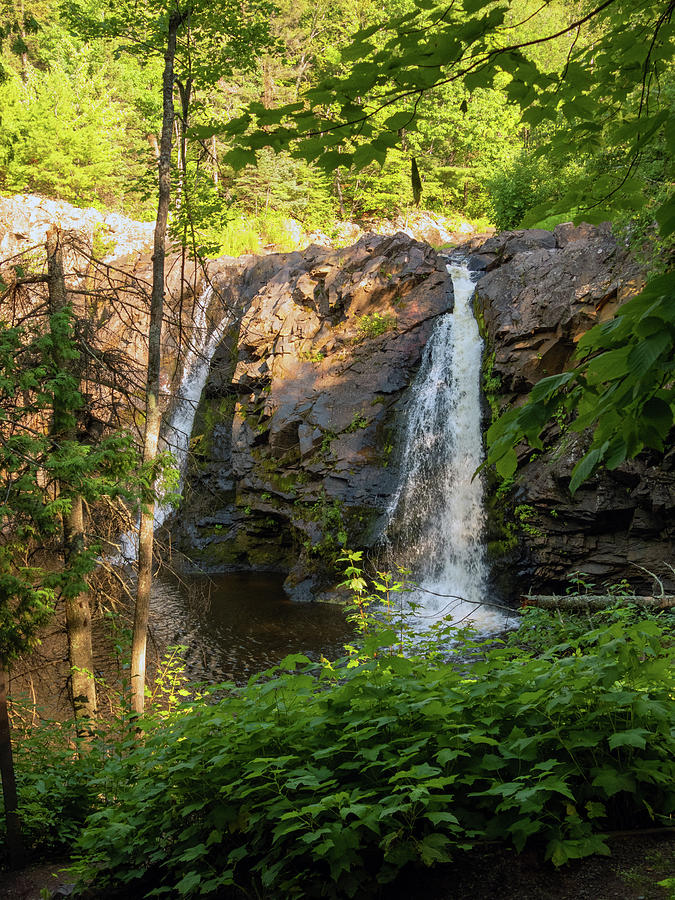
327	781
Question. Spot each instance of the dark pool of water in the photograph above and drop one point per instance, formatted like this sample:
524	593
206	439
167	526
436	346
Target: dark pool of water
239	624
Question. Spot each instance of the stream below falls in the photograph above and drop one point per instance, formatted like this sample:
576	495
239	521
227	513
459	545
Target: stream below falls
239	624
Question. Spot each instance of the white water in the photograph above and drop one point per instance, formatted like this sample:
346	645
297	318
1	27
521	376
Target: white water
175	437
437	518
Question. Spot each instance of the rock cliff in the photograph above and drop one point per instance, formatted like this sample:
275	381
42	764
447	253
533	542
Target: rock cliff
294	448
540	293
296	433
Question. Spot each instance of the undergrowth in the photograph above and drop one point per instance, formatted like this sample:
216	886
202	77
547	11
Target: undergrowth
325	780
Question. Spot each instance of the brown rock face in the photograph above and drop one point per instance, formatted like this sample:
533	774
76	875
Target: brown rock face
298	422
542	291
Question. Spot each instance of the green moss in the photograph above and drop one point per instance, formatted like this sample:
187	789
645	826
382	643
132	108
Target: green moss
358	421
491	384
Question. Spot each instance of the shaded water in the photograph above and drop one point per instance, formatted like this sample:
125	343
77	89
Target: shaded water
239	624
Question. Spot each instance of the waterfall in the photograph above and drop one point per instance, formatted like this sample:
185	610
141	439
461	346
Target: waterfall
176	433
436	518
175	436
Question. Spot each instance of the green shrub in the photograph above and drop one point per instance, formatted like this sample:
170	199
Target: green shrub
374	324
327	781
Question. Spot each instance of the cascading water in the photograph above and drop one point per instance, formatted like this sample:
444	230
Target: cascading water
436	518
203	342
175	437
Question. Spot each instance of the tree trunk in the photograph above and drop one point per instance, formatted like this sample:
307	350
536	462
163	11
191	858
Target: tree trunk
152	409
582	602
78	622
14	843
214	160
338	191
78	612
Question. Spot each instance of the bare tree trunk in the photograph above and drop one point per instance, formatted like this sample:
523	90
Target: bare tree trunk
338	191
214	160
22	32
582	602
154	145
152	409
78	611
14	842
268	84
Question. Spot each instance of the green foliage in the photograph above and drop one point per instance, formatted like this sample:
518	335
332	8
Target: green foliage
622	387
517	187
41	151
329	514
358	421
334	779
43	468
62	776
374	324
102	243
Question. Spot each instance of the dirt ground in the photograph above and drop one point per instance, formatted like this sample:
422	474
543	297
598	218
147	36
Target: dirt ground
637	863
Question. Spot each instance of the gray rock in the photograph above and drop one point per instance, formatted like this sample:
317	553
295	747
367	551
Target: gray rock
535	304
329	341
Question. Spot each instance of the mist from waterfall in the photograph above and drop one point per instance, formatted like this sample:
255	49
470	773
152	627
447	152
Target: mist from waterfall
437	517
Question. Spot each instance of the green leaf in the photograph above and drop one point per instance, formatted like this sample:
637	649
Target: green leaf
659	415
646	352
367	154
506	466
609	366
612	782
633	737
293	660
665	216
434	849
585	468
239	157
188	883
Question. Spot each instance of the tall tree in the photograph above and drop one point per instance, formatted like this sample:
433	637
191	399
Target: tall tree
64	430
201	42
55	374
153	414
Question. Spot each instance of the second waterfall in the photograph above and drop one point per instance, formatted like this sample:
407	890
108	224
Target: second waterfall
436	518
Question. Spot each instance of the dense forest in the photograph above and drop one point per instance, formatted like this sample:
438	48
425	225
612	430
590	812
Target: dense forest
81	118
237	128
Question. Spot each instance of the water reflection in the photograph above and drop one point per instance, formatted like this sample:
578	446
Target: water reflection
238	624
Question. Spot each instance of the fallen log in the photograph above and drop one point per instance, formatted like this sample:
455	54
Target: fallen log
593	602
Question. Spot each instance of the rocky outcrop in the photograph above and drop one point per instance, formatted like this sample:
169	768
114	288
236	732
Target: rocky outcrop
542	291
26	218
298	423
